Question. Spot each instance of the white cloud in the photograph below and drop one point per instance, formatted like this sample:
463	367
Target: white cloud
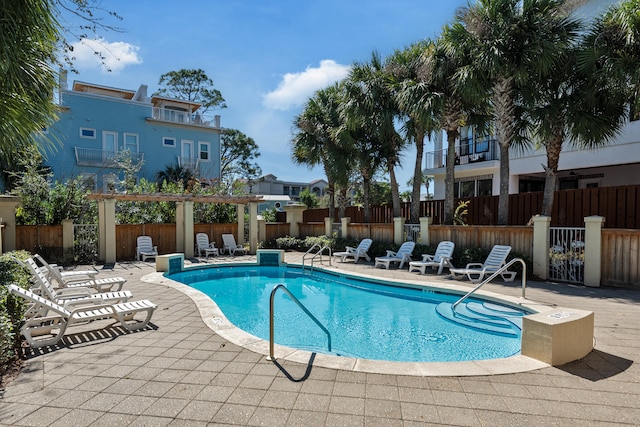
111	56
296	88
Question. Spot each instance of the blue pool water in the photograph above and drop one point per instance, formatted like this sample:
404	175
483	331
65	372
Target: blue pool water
365	319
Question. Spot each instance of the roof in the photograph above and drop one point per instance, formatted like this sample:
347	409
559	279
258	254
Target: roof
79	86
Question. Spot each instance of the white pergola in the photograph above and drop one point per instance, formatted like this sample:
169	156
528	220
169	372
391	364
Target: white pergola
184	218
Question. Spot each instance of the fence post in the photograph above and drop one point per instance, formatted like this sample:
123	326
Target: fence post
294	217
184	228
425	222
328	226
593	250
398	230
345	226
540	251
8	206
67	240
107	230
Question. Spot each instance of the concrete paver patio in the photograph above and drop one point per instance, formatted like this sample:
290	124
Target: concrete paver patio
180	372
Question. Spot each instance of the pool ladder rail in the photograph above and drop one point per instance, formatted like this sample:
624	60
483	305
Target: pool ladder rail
271	321
316	254
493	276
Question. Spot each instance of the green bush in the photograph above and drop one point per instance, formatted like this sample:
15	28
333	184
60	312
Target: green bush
12	308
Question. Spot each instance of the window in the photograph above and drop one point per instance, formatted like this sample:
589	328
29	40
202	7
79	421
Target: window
87	133
168	142
485	187
131	142
467	189
89	180
204	148
474	186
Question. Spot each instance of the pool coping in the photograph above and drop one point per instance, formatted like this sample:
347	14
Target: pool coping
215	319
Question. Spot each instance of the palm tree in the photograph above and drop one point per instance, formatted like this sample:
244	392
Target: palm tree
570	104
459	100
373	99
175	174
414	99
315	142
28	34
513	43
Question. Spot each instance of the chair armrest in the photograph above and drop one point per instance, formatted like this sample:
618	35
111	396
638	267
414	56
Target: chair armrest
391	253
427	257
474	265
79	291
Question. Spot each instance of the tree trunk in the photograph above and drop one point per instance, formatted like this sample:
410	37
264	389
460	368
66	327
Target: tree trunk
395	193
342	202
503	198
449	179
504	110
554	147
417	179
366	184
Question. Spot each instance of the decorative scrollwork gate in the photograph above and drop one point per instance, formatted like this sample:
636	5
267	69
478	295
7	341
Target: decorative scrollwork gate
566	254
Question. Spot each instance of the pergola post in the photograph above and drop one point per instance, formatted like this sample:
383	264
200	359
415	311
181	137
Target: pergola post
240	215
253	227
184	228
107	230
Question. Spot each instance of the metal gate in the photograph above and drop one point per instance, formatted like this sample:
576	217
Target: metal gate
566	254
85	243
411	232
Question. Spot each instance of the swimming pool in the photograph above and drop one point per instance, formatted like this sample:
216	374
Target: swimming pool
365	318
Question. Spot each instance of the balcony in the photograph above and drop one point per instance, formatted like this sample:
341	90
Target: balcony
103	159
184	117
467	152
189	163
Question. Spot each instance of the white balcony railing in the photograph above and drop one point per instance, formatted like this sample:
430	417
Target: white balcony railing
484	151
100	158
190	163
177	116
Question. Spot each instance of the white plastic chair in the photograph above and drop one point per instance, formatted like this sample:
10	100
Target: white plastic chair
204	246
145	248
440	259
401	256
356	253
476	271
230	245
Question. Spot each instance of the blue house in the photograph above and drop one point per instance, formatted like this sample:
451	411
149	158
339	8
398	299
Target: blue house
99	126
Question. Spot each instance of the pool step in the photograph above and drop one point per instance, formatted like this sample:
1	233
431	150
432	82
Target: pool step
484	316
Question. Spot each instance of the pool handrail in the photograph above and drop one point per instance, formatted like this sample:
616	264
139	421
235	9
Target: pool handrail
297	301
319	252
496	273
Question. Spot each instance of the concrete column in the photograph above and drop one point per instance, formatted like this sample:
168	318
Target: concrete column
67	240
8	206
294	216
184	228
262	230
107	230
240	216
398	230
541	226
328	226
593	250
345	226
425	222
253	227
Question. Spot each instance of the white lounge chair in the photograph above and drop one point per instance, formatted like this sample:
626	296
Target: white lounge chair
50	320
55	272
230	245
356	253
104	284
204	246
476	271
401	256
440	259
74	295
145	248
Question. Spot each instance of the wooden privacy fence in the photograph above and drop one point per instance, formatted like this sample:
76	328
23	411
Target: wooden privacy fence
519	238
619	205
620	257
42	239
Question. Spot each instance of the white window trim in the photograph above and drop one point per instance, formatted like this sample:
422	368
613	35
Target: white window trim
87	137
175	142
200	151
124	141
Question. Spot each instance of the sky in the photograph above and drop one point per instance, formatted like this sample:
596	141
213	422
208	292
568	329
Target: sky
265	57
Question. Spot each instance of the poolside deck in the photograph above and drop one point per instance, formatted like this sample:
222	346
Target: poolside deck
182	373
